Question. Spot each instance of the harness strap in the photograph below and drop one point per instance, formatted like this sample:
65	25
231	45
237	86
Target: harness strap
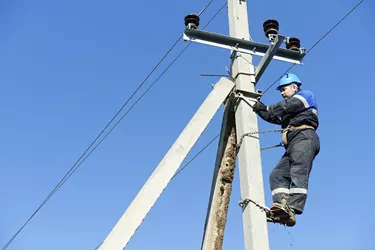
293	128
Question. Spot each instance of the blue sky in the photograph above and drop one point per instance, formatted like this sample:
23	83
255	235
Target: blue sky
66	67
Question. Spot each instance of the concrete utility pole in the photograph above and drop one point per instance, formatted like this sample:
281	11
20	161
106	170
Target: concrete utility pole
250	168
155	185
221	183
254	222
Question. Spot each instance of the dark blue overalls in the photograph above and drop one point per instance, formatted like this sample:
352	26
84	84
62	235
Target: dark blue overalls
289	179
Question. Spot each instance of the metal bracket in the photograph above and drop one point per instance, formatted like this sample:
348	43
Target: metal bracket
240	96
243	204
245	96
219	75
254	95
242	73
271	52
233	55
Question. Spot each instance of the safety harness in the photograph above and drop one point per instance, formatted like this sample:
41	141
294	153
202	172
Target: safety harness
293	128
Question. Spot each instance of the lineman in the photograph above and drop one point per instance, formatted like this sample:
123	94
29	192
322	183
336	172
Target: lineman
298	116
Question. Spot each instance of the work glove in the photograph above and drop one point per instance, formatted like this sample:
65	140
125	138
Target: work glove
259	106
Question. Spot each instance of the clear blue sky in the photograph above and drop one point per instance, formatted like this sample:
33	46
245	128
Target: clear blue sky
66	67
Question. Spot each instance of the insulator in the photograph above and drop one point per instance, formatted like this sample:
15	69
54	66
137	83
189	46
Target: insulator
293	43
192	21
271	27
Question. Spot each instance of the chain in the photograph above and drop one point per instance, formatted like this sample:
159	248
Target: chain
251	134
243	204
274	146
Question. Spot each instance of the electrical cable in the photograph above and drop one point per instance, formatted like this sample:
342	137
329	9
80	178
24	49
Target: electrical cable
79	162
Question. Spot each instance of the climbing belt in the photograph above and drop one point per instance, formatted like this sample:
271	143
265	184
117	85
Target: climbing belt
252	134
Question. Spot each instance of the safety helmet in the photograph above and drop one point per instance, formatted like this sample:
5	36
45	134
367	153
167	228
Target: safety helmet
289	79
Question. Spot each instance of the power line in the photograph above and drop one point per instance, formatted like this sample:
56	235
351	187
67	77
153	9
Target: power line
324	36
78	163
212	18
144	93
182	168
195	156
204	9
286	71
72	169
187	164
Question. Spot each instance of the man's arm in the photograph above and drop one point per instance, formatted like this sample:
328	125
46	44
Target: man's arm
266	115
263	111
275	113
293	105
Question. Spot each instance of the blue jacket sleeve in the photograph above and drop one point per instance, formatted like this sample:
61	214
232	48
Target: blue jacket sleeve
289	107
279	112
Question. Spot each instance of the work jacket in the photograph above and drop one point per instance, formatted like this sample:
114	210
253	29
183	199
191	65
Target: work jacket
299	109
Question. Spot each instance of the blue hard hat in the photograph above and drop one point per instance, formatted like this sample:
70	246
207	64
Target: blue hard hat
289	79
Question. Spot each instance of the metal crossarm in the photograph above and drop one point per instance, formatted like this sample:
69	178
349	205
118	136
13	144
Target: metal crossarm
241	45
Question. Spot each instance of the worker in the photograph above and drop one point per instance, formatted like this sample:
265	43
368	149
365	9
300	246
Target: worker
298	116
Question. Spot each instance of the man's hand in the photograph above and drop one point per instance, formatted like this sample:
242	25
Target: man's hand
259	106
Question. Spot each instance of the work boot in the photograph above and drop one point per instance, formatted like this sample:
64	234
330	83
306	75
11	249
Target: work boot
282	213
279	210
273	219
276	206
292	219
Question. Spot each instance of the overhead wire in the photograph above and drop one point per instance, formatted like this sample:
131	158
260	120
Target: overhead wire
317	42
144	93
187	164
84	156
193	158
205	7
75	165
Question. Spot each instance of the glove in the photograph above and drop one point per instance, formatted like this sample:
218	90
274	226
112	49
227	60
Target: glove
259	106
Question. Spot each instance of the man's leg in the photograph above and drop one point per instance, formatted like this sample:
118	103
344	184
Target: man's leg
302	153
280	180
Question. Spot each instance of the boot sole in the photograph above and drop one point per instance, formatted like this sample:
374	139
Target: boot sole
279	213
